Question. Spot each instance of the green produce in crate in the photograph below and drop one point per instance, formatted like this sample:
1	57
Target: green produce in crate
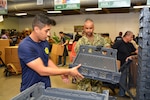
56	38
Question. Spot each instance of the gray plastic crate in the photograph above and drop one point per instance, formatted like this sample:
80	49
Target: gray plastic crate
38	92
144	52
144	85
144	24
143	95
98	64
143	76
145	19
144	67
143	43
144	33
144	12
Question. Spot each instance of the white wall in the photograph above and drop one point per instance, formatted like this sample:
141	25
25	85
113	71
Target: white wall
110	23
9	23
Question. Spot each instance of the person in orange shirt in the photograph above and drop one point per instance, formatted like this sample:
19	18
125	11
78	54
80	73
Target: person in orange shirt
73	53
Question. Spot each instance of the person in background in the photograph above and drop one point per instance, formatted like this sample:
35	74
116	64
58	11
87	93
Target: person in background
5	34
107	39
89	38
64	42
73	53
34	57
119	37
134	42
77	36
124	50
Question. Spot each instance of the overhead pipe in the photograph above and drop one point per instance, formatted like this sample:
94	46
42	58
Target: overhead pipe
32	4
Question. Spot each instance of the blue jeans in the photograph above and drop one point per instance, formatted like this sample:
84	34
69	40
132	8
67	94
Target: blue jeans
123	81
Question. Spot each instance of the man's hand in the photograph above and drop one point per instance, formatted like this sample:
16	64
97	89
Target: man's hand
75	74
131	57
65	78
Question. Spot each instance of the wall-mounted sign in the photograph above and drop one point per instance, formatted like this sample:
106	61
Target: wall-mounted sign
113	3
78	28
148	2
3	7
66	4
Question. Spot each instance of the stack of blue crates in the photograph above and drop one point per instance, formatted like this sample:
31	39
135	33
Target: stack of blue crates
143	81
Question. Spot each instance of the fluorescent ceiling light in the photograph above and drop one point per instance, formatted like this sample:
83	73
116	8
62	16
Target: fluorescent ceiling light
20	14
92	9
54	12
136	7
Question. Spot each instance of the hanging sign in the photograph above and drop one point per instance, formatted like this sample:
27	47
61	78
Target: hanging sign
113	3
148	2
66	4
3	7
39	2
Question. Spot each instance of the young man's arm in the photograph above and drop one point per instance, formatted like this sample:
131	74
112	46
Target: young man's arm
38	66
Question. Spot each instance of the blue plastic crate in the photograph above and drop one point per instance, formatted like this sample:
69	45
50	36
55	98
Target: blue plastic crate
38	92
98	64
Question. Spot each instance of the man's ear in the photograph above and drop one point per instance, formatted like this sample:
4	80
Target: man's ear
36	29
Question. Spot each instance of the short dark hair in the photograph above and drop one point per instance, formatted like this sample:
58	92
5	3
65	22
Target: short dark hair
89	19
41	20
120	33
61	32
127	33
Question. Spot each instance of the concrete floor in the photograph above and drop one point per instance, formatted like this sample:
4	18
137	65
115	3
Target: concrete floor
9	86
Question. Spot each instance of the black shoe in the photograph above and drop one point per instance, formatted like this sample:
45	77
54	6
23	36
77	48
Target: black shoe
59	65
124	96
64	65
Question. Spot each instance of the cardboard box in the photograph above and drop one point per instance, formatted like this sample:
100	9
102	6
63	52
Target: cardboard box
54	58
3	43
57	49
11	56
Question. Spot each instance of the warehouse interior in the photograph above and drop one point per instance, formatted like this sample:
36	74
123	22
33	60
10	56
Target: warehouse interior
107	20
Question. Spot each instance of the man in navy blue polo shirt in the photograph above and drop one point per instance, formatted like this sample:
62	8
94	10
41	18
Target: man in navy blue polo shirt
34	56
